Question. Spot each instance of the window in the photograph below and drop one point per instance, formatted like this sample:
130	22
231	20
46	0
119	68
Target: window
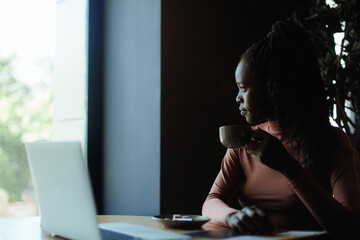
43	84
26	79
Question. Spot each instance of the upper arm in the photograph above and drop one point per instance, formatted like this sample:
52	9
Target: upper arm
228	179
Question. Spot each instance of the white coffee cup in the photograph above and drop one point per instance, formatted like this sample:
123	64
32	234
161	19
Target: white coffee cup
234	136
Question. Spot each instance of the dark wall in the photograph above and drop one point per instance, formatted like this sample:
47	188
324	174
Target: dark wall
201	45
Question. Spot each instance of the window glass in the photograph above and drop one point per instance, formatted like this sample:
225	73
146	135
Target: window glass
27	46
43	88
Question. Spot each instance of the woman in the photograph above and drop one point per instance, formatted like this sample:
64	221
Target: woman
297	172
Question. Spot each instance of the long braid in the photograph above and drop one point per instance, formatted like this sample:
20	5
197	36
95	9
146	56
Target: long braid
287	61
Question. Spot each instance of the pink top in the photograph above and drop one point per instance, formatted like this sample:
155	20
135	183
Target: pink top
286	203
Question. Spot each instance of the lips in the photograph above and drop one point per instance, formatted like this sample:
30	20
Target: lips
243	111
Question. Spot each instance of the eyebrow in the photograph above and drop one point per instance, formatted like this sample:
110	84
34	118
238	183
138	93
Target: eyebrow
242	82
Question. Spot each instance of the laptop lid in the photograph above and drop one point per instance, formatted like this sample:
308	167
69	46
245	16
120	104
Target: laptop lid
63	189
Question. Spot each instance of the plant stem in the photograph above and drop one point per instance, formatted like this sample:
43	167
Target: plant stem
339	105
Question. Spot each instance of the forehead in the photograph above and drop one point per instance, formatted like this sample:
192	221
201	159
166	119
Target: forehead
244	75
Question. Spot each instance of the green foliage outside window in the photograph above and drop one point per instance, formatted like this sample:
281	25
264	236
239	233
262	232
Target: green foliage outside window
23	117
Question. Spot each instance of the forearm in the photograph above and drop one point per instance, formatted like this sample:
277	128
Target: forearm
217	210
224	189
330	214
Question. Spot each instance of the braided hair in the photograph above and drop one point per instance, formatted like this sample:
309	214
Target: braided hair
286	60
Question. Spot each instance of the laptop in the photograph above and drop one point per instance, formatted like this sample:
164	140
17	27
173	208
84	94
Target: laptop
62	185
66	202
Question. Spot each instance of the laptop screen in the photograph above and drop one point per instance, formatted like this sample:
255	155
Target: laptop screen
63	189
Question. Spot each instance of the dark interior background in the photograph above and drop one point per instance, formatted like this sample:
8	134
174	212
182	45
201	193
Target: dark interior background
201	45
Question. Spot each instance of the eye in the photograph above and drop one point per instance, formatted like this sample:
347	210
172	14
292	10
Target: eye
243	89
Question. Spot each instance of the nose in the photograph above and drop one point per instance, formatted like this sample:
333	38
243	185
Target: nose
239	98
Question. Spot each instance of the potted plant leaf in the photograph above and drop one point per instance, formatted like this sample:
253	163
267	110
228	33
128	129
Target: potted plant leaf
334	27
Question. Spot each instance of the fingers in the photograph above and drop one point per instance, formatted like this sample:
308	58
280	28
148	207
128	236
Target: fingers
260	220
256	218
260	143
251	220
237	225
259	134
240	222
263	221
255	149
247	223
257	144
253	145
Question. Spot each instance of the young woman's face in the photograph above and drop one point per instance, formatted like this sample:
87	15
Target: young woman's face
255	103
